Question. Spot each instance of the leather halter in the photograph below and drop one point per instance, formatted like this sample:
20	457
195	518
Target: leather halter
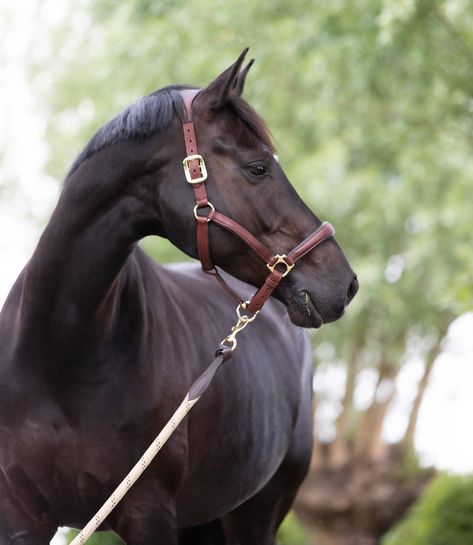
196	174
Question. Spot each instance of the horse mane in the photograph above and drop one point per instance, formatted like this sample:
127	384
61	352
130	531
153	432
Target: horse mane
155	111
138	121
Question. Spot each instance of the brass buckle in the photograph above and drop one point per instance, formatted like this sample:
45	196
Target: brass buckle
209	205
281	260
187	171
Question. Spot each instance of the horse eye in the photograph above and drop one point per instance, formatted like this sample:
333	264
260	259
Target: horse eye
257	169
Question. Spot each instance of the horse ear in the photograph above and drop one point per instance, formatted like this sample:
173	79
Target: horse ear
215	95
240	82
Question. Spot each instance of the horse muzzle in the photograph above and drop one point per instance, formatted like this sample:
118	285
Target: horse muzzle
319	304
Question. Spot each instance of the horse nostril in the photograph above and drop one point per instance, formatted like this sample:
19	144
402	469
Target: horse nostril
352	289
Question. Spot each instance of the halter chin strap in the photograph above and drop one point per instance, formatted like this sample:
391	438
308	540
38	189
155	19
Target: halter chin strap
278	265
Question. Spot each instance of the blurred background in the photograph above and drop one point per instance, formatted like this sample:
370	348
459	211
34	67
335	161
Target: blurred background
371	106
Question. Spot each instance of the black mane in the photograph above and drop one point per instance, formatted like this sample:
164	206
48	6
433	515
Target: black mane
138	121
154	112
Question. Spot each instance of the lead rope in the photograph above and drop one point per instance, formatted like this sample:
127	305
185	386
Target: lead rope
196	174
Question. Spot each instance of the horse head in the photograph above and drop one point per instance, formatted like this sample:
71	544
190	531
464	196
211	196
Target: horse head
246	183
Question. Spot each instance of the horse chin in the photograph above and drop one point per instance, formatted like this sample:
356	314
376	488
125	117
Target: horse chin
302	310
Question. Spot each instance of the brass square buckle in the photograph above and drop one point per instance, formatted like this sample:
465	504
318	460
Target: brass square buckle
281	260
187	171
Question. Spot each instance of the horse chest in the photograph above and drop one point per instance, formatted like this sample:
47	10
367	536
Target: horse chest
67	445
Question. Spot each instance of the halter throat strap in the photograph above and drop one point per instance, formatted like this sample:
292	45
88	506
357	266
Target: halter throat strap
196	174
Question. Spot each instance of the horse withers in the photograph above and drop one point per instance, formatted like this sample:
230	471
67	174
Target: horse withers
98	343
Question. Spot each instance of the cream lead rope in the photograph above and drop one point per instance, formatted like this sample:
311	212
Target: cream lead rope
227	346
135	473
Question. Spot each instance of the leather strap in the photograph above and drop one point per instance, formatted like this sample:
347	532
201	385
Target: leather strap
214	272
188	96
200	192
202	383
243	234
203	247
264	293
325	231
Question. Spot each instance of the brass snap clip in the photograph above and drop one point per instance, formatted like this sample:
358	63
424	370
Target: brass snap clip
243	320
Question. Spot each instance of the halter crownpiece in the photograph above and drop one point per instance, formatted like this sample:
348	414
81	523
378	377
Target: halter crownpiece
279	265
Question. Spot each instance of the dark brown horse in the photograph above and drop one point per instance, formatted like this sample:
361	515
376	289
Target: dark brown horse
99	344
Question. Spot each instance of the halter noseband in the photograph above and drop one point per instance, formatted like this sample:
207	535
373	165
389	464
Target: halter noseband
196	174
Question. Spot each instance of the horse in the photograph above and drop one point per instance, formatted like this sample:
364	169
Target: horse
99	343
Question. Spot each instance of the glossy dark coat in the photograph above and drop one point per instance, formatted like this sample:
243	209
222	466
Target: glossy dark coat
99	344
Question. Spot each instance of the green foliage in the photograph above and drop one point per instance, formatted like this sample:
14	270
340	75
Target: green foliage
99	538
443	516
291	532
163	249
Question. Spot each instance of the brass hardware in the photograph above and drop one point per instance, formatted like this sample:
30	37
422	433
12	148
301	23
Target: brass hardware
281	260
243	321
202	167
196	207
244	317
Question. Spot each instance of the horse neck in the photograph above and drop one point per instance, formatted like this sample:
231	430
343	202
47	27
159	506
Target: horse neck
85	256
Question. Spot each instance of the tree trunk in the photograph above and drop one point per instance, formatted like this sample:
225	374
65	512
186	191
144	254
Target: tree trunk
317	459
369	444
408	440
339	453
356	505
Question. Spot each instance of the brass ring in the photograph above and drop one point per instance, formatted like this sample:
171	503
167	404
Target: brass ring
196	207
281	260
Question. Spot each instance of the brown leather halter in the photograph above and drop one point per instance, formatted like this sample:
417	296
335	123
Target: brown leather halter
196	174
